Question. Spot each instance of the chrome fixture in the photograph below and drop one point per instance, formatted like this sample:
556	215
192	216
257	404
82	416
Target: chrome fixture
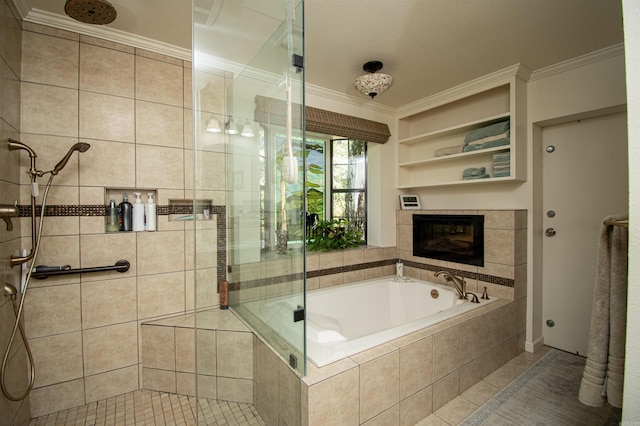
459	283
96	12
7	211
213	125
36	235
80	147
373	83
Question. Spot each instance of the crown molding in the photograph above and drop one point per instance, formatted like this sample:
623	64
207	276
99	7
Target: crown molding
580	61
358	101
473	86
37	16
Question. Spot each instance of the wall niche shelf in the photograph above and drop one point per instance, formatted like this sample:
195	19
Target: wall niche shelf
444	120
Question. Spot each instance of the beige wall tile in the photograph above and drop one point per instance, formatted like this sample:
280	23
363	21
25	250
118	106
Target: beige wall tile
210	171
288	394
108	164
470	340
159	380
109	302
161	294
49	110
334	401
152	252
52	310
159	81
106	117
58	397
498	219
417	407
416	367
331	260
111	383
186	384
107	249
110	348
235	354
185	349
379	385
49	60
232	389
207	386
491	331
470	374
159	167
206	355
158	124
158	347
106	70
445	390
499	247
391	417
446	352
57	358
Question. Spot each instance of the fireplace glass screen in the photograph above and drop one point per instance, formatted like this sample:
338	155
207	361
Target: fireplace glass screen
452	238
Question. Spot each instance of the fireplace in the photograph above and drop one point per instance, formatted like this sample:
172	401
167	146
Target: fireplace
452	238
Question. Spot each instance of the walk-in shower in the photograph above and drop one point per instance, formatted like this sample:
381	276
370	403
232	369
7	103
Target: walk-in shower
36	233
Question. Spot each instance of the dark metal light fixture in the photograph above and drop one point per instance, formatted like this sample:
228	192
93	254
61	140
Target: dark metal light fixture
373	83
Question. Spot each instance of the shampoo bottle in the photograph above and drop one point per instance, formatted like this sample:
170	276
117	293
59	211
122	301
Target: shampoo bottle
138	213
112	217
151	212
126	214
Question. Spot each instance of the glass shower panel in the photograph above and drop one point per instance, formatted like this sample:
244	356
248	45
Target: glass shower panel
249	175
265	190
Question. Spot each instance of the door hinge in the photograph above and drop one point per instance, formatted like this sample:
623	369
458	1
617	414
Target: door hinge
298	62
298	314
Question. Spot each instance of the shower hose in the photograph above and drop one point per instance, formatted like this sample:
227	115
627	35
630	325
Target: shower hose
18	310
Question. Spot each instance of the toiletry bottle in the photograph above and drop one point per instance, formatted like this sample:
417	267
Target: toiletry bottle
399	269
112	217
126	214
138	213
224	295
150	212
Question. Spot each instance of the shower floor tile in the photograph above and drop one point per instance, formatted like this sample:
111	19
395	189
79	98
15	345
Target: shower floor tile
150	408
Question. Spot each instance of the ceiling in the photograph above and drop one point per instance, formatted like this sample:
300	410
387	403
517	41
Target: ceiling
426	45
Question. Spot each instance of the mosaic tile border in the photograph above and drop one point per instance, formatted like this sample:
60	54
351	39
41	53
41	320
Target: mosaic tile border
507	282
93	210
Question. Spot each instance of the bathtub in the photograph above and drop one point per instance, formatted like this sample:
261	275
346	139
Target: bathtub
344	320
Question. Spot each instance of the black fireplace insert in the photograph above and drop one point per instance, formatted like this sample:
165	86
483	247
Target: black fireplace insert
452	238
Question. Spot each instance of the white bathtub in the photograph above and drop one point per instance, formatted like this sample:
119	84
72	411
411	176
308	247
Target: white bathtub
347	319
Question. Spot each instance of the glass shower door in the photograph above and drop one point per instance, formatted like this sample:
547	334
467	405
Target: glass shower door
249	168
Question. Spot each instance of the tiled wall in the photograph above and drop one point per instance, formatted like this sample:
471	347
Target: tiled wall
10	57
134	107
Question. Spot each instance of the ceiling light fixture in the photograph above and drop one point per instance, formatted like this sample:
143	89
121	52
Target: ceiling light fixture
231	128
247	130
373	84
213	126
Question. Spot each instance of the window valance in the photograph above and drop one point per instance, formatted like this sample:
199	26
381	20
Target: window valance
272	111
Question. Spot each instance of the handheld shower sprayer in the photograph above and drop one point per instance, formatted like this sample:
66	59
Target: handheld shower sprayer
80	147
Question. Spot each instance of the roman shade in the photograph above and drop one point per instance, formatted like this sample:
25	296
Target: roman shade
273	111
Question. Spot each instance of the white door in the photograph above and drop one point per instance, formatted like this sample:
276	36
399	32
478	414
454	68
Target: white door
585	178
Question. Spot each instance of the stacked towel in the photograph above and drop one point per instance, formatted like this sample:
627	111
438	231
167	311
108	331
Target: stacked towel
448	150
501	164
474	173
488	137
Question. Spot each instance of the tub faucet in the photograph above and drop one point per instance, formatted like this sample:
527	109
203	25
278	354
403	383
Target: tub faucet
459	283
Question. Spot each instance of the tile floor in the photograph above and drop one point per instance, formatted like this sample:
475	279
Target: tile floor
151	408
145	407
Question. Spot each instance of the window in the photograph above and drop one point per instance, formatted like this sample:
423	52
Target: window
336	184
349	182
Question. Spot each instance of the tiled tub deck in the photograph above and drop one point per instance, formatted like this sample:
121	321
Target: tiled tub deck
402	381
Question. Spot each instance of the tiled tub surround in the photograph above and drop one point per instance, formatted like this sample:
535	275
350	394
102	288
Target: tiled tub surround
135	109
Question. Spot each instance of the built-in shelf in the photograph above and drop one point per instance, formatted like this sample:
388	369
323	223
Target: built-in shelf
448	119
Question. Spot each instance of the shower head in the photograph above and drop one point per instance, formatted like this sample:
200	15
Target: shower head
81	147
96	12
13	145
